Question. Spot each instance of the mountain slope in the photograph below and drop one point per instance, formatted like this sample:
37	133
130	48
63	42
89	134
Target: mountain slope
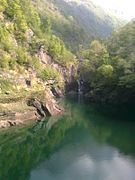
88	15
76	21
28	47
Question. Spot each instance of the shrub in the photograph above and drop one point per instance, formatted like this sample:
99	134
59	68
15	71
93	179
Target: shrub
49	73
5	84
22	56
4	60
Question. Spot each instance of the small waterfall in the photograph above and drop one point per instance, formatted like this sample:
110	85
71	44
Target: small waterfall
80	90
80	82
80	86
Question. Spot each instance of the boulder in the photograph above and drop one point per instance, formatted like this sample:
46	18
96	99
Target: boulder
56	92
17	118
4	124
45	104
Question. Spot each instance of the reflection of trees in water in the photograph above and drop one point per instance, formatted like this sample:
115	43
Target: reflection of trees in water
111	129
108	124
23	148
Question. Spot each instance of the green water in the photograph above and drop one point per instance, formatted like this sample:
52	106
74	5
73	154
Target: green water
87	142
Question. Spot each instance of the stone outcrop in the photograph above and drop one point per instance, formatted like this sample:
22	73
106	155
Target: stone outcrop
48	108
16	118
40	105
29	34
57	92
45	104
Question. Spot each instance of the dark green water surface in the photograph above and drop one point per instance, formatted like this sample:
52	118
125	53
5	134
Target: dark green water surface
87	142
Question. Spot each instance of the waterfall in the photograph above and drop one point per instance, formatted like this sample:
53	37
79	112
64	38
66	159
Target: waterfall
80	86
80	82
80	90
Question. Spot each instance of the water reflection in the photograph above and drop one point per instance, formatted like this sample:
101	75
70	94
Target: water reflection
85	143
84	160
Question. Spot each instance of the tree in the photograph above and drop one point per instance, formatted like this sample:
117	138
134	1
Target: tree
105	71
46	25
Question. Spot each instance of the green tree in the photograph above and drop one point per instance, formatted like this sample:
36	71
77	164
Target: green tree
105	71
46	25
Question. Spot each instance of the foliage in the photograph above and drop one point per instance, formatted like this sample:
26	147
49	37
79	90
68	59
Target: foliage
105	70
77	28
23	32
95	61
4	60
46	25
35	62
127	81
110	68
107	67
58	51
49	73
5	84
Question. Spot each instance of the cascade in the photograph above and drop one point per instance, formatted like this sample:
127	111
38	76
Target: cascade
80	82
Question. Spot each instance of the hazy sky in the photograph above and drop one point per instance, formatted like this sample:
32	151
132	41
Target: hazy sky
123	8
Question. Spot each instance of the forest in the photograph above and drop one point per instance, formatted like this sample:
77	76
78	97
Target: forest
108	64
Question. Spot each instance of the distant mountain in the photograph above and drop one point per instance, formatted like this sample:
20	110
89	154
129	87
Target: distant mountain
89	16
77	21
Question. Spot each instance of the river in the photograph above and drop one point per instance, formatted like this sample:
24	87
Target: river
86	142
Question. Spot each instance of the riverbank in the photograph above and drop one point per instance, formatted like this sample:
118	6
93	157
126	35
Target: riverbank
21	107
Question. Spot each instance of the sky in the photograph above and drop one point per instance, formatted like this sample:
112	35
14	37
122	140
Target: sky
123	8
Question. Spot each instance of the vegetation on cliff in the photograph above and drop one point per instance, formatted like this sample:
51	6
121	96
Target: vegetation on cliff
25	39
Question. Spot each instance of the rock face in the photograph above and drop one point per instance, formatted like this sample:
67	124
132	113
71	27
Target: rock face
57	92
43	104
29	34
46	104
16	118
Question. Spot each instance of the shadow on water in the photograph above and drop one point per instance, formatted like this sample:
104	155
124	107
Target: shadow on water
82	125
